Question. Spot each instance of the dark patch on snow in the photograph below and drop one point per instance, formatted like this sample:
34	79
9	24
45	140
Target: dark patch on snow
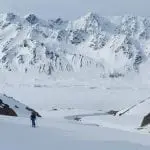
32	19
32	110
77	118
116	75
112	112
6	110
93	88
146	120
54	109
16	106
10	17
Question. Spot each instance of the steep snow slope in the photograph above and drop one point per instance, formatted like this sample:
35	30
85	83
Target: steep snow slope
112	45
9	104
140	109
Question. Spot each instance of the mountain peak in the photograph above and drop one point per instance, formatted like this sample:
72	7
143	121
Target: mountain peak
8	16
91	15
60	45
32	19
90	22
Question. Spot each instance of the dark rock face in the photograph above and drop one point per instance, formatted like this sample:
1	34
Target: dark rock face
5	110
10	17
146	120
11	107
32	19
78	37
58	21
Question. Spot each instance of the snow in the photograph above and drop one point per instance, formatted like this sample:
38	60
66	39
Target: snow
61	98
18	107
76	96
108	44
57	133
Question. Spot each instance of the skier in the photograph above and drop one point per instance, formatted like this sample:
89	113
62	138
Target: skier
33	118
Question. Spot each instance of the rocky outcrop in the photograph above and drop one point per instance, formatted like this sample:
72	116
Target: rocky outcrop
10	107
146	120
6	110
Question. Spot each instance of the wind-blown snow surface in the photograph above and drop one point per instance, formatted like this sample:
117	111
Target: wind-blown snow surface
111	45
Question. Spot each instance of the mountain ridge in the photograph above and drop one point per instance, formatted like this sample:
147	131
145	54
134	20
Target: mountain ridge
116	44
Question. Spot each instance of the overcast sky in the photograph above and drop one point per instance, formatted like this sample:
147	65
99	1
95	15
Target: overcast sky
71	9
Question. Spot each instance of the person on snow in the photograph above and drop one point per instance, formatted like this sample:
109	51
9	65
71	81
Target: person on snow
33	118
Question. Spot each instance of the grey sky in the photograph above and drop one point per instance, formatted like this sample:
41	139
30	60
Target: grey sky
71	9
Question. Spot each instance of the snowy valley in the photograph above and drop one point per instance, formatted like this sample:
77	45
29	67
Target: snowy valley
87	79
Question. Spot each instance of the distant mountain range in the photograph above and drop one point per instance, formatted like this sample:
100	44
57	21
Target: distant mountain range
112	45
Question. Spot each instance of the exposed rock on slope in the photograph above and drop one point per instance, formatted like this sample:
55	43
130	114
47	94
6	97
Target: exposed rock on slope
146	120
5	110
11	107
141	110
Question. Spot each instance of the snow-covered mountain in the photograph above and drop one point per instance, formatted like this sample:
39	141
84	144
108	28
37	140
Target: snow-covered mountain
11	107
110	44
